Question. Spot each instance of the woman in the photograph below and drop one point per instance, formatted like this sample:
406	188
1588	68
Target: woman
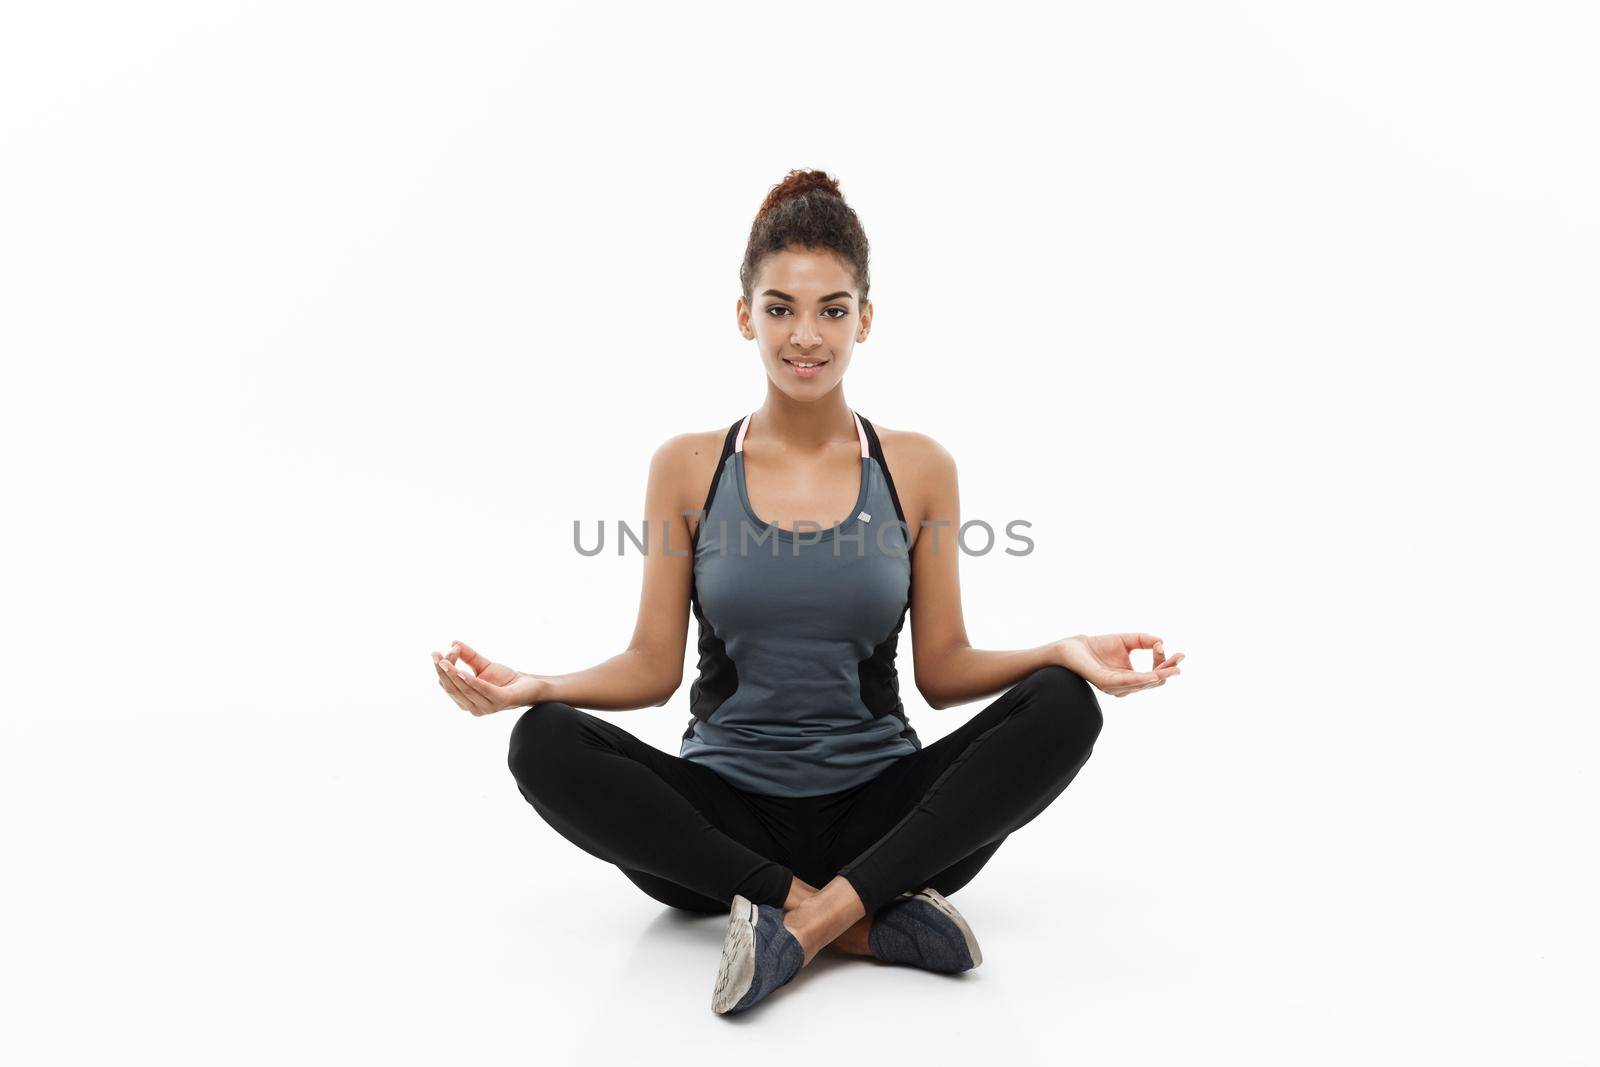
801	557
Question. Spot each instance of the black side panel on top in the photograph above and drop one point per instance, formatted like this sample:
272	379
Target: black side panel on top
717	678
880	681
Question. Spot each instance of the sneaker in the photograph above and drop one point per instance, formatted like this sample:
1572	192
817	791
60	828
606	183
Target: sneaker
759	954
925	930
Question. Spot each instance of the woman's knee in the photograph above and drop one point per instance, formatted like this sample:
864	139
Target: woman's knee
1071	708
540	732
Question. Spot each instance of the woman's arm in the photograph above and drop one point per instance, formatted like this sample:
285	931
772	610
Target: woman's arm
949	670
649	671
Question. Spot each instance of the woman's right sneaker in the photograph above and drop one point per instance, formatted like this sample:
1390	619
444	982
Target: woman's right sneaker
759	954
925	930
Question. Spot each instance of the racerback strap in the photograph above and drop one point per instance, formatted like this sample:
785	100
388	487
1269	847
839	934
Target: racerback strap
716	476
883	465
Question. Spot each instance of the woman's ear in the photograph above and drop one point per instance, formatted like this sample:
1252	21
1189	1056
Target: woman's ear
866	322
741	314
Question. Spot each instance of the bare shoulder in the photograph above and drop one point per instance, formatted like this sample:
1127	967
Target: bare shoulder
686	449
909	450
685	463
921	467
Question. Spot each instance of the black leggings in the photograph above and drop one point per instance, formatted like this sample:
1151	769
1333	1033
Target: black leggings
690	839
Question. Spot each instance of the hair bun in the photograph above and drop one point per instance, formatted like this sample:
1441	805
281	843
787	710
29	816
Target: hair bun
806	211
796	184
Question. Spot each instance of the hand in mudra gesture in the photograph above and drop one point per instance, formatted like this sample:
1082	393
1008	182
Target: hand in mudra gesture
488	687
1103	661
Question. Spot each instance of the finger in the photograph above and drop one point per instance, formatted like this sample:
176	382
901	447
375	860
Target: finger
493	696
449	687
1134	642
1171	661
473	703
1113	658
450	692
475	659
1130	690
462	681
445	657
456	682
1125	679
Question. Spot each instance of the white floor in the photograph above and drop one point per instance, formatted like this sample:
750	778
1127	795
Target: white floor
253	890
322	324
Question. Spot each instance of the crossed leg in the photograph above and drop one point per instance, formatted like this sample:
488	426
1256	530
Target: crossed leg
687	838
936	817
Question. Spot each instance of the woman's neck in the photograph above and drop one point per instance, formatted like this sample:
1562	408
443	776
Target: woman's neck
804	425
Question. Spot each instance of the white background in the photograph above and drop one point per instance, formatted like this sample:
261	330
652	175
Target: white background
322	322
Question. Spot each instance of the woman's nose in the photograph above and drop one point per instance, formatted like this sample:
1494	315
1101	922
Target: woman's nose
805	333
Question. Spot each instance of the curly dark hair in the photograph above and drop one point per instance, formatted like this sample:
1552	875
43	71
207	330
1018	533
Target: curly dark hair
806	210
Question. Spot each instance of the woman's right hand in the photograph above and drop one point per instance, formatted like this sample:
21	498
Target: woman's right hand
488	687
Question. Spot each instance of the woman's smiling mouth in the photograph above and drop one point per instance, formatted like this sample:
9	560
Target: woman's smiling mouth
806	368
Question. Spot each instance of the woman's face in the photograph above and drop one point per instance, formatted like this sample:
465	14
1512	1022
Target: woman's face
805	311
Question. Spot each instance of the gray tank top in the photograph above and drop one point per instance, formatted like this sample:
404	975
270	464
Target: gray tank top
797	693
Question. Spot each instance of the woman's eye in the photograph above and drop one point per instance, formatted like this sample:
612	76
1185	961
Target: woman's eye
779	311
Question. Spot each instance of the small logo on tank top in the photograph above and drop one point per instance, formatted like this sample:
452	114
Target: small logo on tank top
865	517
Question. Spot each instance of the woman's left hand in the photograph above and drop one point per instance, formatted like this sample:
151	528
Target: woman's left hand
1103	661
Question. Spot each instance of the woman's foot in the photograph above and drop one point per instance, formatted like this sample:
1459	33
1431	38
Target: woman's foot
799	892
825	916
759	954
853	942
923	929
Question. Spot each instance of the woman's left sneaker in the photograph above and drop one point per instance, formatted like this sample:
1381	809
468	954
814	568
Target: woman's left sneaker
759	954
925	930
